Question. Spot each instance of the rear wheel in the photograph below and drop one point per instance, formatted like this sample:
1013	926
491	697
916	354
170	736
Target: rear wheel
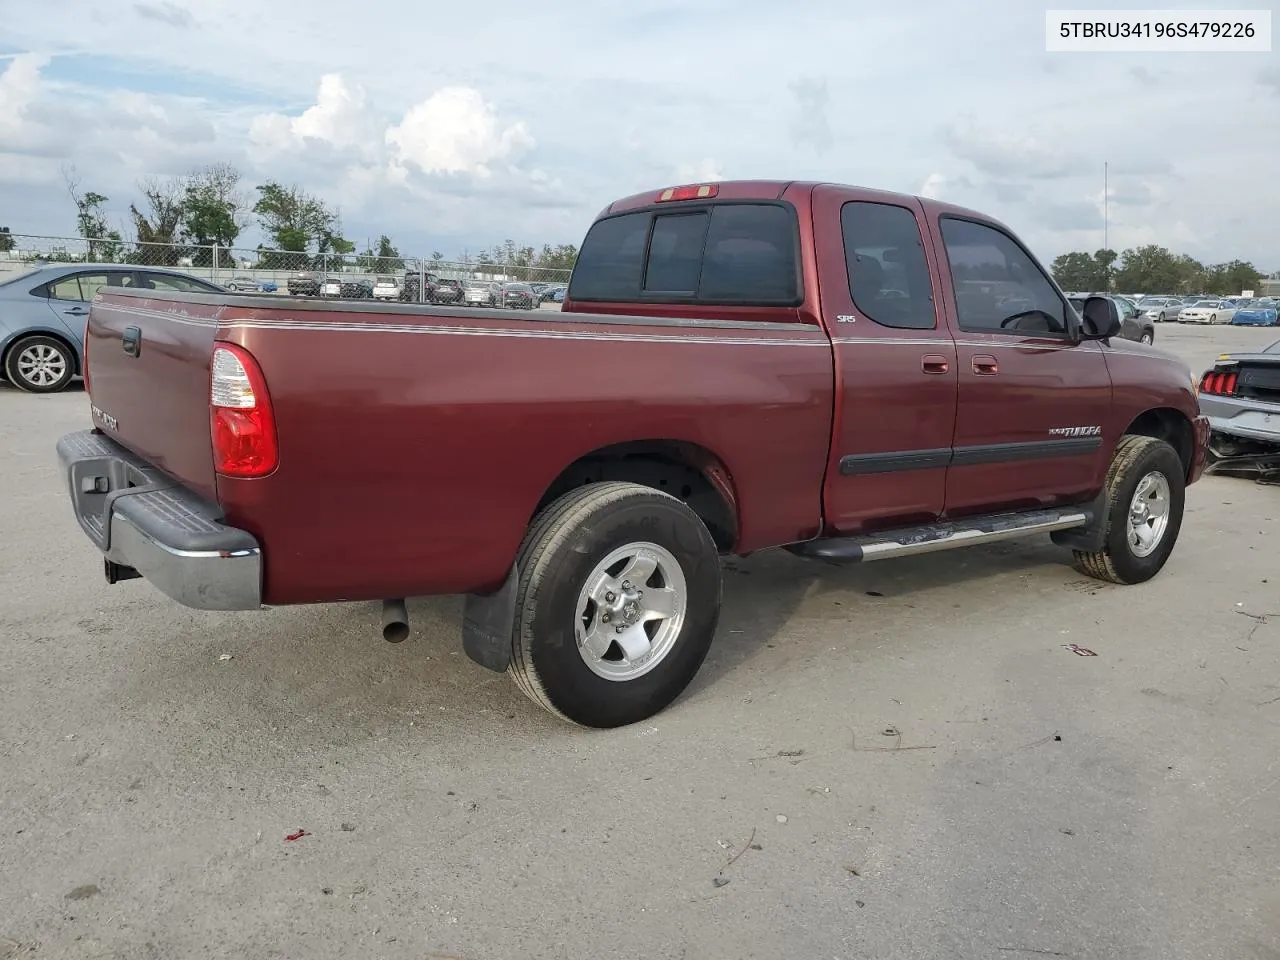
1145	497
40	364
618	599
1148	337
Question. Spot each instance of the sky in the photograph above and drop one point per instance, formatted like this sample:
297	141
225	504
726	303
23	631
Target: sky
454	127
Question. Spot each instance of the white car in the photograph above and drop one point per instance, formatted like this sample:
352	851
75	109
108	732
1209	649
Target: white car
386	288
1208	311
331	288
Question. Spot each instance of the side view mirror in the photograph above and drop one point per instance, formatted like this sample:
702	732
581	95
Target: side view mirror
1101	318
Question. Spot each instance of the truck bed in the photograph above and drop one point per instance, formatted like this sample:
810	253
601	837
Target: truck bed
403	445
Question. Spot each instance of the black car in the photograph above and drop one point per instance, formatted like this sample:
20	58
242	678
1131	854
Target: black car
357	289
518	296
304	283
409	289
549	291
448	291
1133	325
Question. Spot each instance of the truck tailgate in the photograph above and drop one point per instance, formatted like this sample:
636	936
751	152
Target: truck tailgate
148	363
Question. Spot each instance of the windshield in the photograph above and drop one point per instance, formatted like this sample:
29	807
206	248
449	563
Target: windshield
1207	303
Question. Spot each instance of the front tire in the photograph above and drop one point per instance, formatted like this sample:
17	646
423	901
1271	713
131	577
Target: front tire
40	364
617	603
1146	487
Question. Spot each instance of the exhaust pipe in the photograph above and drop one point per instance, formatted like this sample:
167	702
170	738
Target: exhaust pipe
395	621
116	572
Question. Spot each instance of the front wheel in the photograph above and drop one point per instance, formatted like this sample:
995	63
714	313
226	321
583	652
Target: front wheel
1147	337
617	602
1213	318
1145	496
40	364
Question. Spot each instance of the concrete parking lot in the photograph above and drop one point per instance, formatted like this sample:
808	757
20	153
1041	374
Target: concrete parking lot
904	760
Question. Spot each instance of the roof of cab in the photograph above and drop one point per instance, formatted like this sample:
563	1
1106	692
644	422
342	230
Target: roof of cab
774	189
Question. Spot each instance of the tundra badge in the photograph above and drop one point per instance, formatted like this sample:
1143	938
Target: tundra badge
1075	431
107	419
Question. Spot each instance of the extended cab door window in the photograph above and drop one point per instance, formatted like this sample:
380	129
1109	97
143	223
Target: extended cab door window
888	273
998	287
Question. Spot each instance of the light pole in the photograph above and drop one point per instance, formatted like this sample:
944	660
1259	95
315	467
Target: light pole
1106	209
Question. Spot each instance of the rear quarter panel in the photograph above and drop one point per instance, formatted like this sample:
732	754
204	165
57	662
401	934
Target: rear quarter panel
415	444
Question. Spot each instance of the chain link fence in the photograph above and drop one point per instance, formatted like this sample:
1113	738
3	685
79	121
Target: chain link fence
269	270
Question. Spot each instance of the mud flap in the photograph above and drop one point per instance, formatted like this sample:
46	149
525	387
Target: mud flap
487	622
1092	537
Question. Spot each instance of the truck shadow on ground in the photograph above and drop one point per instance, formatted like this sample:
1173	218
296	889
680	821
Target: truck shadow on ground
324	673
765	593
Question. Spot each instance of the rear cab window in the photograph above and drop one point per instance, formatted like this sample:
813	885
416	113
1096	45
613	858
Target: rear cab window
728	252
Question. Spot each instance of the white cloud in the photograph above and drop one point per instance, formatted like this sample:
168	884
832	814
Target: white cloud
340	119
20	88
405	128
933	186
705	170
455	131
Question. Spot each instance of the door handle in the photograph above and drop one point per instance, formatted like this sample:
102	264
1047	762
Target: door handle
985	366
933	363
76	311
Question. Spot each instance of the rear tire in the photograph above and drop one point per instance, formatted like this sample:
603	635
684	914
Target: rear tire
586	547
40	364
1147	338
1146	476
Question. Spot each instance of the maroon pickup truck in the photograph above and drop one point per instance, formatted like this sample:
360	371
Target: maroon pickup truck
846	373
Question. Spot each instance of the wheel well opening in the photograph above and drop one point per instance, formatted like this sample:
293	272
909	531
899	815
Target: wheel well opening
678	469
1170	426
65	341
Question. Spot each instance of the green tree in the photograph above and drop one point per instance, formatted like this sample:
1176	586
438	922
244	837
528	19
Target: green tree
6	240
1079	271
297	223
1151	269
1231	279
384	258
214	212
560	257
91	220
156	227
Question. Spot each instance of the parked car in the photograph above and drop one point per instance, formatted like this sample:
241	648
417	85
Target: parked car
1207	311
1240	395
1133	325
43	311
558	296
356	288
412	280
1160	309
549	291
243	284
449	290
481	293
331	287
518	296
1259	313
826	384
304	283
386	288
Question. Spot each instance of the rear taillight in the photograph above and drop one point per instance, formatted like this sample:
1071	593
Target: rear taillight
1219	383
241	421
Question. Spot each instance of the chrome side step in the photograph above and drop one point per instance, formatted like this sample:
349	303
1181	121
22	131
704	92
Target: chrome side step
948	535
